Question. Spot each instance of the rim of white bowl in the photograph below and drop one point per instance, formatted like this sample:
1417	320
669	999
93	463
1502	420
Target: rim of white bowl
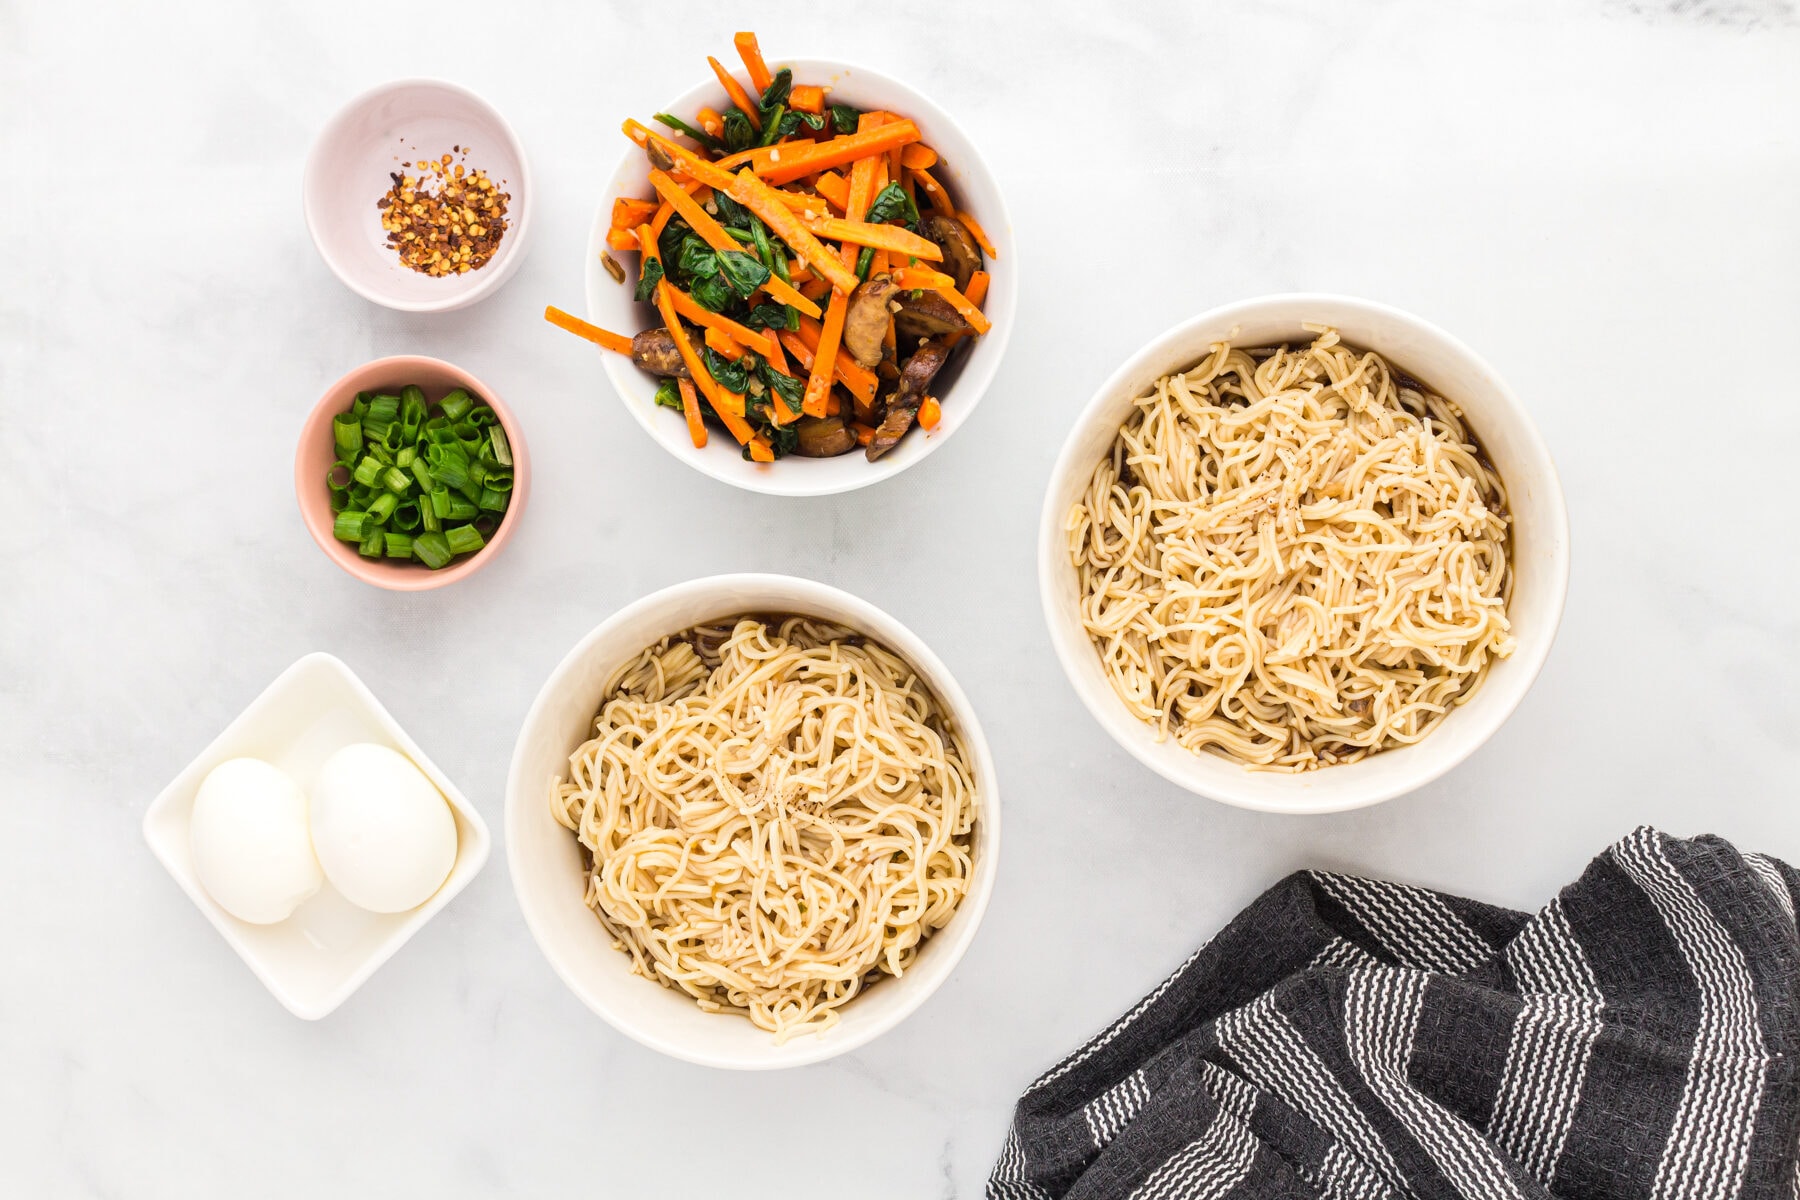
796	482
895	635
512	247
1133	734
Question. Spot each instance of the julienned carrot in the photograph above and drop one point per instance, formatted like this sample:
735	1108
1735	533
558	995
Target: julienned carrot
628	213
760	450
835	188
978	233
940	199
858	379
818	383
714	235
806	98
776	356
815	289
716	176
704	317
788	162
918	156
617	343
735	90
725	344
709	388
765	202
882	237
977	289
922	277
710	121
690	408
751	53
860	382
930	414
621	239
864	433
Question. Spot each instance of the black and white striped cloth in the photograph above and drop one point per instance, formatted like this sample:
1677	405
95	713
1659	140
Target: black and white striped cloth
1344	1038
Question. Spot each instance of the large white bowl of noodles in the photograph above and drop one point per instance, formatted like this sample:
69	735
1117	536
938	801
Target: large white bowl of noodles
550	870
1537	550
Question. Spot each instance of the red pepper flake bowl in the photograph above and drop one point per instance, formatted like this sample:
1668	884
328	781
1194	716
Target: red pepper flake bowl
317	452
389	131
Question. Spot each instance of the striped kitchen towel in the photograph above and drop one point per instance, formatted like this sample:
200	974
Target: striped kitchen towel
1352	1039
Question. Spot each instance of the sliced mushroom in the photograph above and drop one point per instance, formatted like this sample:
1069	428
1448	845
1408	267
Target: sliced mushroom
866	321
962	257
659	157
654	350
823	437
927	315
916	374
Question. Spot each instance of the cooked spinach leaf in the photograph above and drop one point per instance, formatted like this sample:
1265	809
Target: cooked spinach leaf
777	91
668	395
732	376
768	316
712	293
892	203
742	271
731	213
792	391
649	275
739	133
697	259
844	118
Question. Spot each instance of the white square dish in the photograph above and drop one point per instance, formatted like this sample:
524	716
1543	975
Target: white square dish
316	958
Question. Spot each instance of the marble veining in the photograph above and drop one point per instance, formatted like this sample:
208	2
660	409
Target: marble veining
1598	196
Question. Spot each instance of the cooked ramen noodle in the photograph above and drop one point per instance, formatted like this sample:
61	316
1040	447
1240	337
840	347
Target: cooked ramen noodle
1293	557
777	814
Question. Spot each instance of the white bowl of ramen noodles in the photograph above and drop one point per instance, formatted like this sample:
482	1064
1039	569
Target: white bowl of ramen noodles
1303	553
752	821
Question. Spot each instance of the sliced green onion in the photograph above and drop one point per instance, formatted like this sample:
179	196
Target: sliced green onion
340	500
463	539
422	473
457	404
461	510
396	480
360	405
492	500
367	471
486	523
502	447
432	549
428	518
383	411
499	481
346	432
404	459
339	478
398	545
382	507
351	526
373	544
406	517
482	417
440	501
379	452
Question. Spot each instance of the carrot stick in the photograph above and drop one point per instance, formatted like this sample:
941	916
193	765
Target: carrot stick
940	199
617	343
860	381
835	188
690	408
735	90
712	122
816	289
833	406
818	383
776	356
725	344
978	233
621	239
864	433
806	98
628	213
765	202
882	237
977	289
715	236
918	156
718	177
784	164
709	387
922	277
751	53
930	413
760	451
704	317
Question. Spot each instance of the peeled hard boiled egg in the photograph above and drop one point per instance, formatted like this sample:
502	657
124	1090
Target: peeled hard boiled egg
383	832
252	849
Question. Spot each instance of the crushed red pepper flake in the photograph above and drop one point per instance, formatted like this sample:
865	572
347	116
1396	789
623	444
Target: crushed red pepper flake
445	220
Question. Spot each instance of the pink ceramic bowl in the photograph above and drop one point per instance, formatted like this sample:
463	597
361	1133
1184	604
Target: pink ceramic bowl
313	459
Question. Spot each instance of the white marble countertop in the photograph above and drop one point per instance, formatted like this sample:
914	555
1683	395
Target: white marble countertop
1599	195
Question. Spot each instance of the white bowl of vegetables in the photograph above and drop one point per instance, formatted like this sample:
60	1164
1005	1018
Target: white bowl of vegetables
765	346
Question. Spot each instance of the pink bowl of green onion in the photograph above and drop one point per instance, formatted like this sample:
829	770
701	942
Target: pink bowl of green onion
411	473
